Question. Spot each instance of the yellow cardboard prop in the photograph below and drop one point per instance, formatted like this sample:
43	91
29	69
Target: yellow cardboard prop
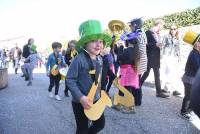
54	70
126	100
63	72
97	109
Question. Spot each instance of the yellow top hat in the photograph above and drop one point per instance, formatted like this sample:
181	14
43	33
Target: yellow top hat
191	37
116	25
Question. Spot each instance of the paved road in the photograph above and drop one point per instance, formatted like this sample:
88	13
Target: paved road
29	110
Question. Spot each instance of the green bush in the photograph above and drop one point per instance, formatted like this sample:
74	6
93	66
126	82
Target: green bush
182	19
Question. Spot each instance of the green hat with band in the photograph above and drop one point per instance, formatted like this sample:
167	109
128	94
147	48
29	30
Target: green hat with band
91	30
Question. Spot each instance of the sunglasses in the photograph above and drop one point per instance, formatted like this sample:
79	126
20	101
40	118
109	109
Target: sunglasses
173	28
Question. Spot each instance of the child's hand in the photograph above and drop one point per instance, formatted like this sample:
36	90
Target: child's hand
48	74
85	102
159	45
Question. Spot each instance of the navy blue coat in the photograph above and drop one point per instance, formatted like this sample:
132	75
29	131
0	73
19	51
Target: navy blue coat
153	52
193	63
195	96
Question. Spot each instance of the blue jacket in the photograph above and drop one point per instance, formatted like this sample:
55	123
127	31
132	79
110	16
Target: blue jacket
52	61
79	80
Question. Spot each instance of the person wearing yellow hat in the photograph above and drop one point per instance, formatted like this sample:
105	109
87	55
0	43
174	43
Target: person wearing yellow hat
80	77
191	68
195	99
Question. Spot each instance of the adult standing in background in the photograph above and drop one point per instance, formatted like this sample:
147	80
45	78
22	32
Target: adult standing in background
153	55
26	49
171	58
15	55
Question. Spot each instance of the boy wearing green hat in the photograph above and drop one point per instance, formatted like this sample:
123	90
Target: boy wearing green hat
80	78
30	63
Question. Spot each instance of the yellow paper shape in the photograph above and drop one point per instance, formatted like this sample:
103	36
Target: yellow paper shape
127	100
63	71
92	71
54	70
62	77
92	91
97	109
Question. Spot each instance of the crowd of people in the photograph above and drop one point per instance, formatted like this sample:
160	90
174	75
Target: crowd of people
130	57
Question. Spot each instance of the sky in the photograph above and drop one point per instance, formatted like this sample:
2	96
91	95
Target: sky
59	19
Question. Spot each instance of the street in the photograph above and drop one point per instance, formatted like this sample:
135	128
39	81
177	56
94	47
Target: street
29	110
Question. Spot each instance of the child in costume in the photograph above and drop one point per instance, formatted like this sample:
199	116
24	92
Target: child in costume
136	26
108	70
69	56
128	59
30	63
195	99
55	61
191	68
80	78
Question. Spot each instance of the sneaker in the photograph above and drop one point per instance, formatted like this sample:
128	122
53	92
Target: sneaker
128	110
176	93
66	94
23	75
58	97
29	84
162	95
117	107
165	91
50	94
186	116
26	78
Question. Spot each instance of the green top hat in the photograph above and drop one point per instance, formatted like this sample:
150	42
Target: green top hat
91	30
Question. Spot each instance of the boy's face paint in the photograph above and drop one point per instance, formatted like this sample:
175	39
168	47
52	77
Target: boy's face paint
94	47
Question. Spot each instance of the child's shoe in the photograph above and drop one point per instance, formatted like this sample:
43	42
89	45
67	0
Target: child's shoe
29	83
128	110
50	94
58	97
117	107
187	116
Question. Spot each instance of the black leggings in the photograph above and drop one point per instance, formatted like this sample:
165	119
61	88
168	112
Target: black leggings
82	122
156	72
54	80
136	93
186	100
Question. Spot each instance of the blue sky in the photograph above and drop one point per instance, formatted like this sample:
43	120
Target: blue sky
61	18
